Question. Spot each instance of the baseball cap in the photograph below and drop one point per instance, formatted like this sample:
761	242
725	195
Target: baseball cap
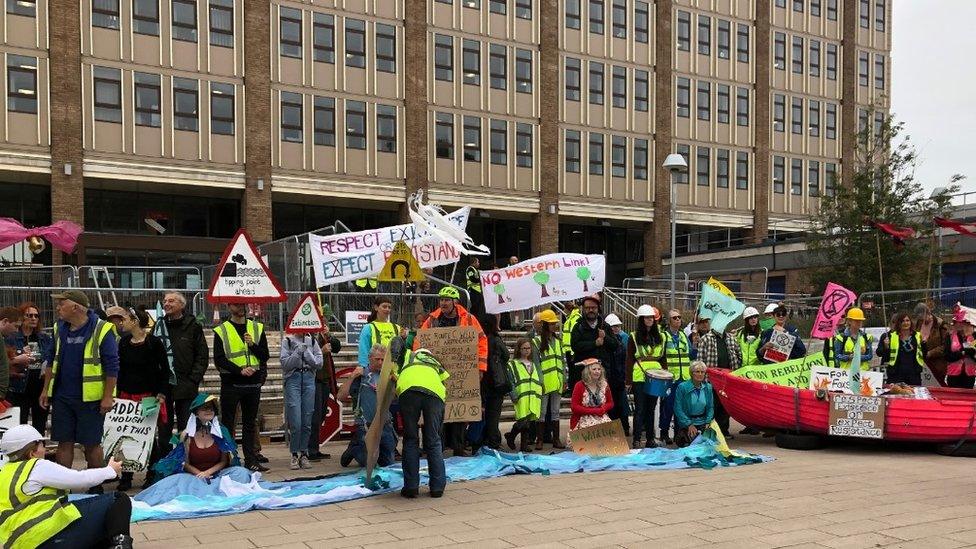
115	310
17	437
77	296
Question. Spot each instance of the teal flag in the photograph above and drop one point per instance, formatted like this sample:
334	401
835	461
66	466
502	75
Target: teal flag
718	307
854	374
160	331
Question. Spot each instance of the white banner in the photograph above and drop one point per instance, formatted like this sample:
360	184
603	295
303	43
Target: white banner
543	279
127	432
350	256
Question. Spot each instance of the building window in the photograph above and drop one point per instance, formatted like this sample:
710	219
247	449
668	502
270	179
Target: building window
796	177
779	174
386	53
862	120
523	9
596	16
742	106
108	94
814	108
523	70
498	67
355	43
290	29
573	151
27	8
523	145
684	97
573	77
105	14
472	139
815	58
831	121
291	117
742	43
471	62
864	13
703	165
443	57
832	10
798	5
640	159
641	21
797	55
618	156
724	38
704	100
596	83
641	90
186	104
498	6
620	87
323	37
596	154
22	84
779	112
722	162
862	68
815	8
386	128
704	35
879	71
684	31
221	108
879	119
879	15
498	142
444	135
830	178
145	16
355	125
796	116
184	15
325	115
620	18
148	99
681	178
724	102
779	51
222	23
831	61
741	170
813	178
573	14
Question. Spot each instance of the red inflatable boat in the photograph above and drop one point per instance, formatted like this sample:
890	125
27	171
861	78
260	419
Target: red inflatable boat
947	417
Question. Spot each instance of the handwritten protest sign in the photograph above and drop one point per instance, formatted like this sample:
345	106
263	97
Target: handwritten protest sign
791	373
857	416
782	345
719	307
838	380
457	351
833	306
127	432
543	279
350	256
604	439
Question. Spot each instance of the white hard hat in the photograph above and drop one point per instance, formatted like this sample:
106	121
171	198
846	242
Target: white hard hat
645	310
750	312
17	437
613	320
771	308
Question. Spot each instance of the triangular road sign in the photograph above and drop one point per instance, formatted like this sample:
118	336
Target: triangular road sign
242	276
401	266
305	319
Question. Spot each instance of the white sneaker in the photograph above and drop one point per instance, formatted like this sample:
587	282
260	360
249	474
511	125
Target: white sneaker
294	462
303	462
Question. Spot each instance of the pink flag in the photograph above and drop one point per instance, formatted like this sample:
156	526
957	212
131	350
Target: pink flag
833	306
63	235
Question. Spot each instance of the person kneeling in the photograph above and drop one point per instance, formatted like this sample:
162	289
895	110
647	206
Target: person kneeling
34	500
694	405
207	449
362	390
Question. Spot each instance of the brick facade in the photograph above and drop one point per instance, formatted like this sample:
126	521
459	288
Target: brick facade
848	109
256	204
545	225
761	174
658	243
415	87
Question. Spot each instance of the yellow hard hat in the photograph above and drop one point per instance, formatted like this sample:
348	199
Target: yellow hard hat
548	316
855	314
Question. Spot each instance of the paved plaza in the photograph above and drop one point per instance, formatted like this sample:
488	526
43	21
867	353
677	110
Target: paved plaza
847	496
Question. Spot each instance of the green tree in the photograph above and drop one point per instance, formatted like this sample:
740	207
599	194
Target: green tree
499	289
542	278
844	246
583	273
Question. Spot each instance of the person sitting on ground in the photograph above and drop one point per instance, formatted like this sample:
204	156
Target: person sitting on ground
592	399
34	502
207	450
694	405
361	387
526	382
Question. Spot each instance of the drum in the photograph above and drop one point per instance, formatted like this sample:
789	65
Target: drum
658	382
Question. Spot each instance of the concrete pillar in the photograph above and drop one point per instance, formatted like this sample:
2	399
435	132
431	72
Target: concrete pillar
658	242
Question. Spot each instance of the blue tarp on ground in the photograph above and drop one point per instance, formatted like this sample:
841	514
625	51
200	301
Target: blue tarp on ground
237	490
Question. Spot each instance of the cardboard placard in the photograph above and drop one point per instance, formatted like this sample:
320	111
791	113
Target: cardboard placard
838	380
355	320
457	351
605	439
857	416
782	345
128	432
791	373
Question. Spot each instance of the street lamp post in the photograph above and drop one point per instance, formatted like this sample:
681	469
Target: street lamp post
674	163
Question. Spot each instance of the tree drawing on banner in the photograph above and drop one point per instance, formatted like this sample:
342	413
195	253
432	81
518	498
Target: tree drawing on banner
499	289
542	278
583	273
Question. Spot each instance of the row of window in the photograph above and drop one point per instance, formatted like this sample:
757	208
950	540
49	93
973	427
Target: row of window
471	139
523	8
27	8
815	6
21	84
619	13
813	176
183	19
830	52
324	122
703	96
290	25
864	65
597	84
596	144
471	68
703	167
723	35
813	116
864	14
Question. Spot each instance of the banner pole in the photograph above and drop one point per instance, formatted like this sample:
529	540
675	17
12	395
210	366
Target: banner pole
884	309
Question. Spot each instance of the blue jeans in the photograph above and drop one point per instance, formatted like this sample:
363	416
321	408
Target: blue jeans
413	403
357	445
667	409
299	405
